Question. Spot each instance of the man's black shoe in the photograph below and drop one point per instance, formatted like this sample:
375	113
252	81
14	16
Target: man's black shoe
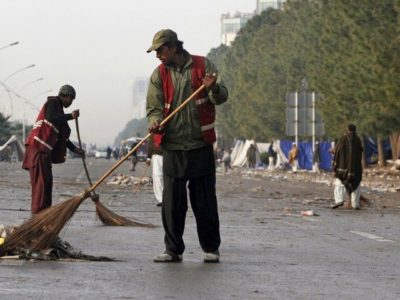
336	205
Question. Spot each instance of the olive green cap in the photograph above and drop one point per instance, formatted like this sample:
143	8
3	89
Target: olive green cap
161	37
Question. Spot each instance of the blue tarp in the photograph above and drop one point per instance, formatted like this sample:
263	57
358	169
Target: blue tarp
371	149
306	154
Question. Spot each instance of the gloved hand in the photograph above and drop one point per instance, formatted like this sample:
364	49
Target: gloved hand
75	114
210	81
80	152
155	127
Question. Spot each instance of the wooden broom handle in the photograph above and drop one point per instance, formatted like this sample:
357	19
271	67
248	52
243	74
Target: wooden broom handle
169	117
83	157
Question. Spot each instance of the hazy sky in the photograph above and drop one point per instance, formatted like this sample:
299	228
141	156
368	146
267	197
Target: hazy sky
99	47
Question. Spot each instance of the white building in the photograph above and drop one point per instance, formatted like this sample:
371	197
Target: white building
231	24
265	4
140	86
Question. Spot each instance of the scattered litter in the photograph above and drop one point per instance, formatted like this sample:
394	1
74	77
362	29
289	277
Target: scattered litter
316	200
127	180
258	189
59	250
374	179
5	231
308	213
287	210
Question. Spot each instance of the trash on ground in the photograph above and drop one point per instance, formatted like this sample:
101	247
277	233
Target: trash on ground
308	213
59	250
127	180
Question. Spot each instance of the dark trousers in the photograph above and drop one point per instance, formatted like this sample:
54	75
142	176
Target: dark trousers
41	182
196	167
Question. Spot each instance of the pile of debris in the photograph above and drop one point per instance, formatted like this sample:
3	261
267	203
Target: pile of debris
4	232
395	165
59	250
126	180
374	179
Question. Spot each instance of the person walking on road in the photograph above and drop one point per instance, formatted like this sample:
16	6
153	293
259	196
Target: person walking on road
155	159
347	168
186	140
316	158
134	159
271	156
226	160
251	156
294	157
47	143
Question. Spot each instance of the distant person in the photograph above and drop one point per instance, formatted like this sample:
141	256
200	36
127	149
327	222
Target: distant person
47	143
219	152
155	159
115	153
109	150
316	157
187	143
294	157
123	149
133	157
251	156
271	156
347	168
226	160
6	154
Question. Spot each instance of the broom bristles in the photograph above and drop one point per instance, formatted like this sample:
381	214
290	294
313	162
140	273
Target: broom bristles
42	229
110	218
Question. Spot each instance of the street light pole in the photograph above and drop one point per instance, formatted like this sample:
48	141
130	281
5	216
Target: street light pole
30	83
9	45
12	74
42	93
19	70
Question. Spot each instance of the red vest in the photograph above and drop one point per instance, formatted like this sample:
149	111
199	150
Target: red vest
204	106
46	137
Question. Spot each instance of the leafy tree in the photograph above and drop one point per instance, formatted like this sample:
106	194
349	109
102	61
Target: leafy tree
134	128
5	128
347	51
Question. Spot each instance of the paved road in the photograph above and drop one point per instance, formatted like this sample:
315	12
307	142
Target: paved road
269	251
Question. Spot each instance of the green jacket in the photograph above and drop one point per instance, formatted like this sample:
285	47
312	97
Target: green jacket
182	132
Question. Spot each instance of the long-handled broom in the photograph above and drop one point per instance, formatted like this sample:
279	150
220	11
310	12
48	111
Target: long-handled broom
43	228
137	188
106	216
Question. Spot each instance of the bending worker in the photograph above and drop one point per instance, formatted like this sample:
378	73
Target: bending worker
186	140
47	143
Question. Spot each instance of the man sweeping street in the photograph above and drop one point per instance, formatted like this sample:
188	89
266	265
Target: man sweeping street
47	143
186	140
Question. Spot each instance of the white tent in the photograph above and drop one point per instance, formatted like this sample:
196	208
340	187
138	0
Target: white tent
238	155
263	147
239	158
236	150
14	145
281	158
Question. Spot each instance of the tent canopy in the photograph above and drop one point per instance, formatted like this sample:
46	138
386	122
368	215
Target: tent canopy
13	145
